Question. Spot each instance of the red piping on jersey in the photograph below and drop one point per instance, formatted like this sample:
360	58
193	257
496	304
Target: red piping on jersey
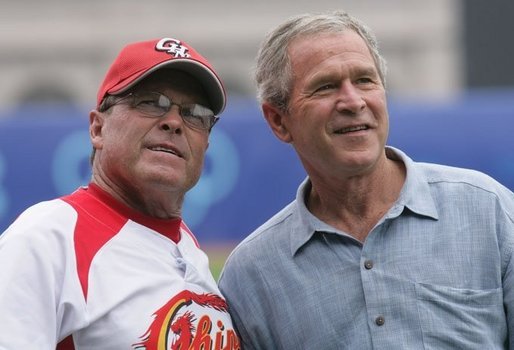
186	229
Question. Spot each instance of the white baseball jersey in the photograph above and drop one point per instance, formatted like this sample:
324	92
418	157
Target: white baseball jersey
86	272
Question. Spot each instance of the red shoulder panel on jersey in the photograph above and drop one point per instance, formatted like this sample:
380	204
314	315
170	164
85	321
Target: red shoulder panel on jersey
96	225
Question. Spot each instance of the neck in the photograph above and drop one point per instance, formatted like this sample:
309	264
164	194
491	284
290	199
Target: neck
154	202
356	204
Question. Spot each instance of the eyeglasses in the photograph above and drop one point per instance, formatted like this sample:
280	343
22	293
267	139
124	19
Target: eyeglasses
155	104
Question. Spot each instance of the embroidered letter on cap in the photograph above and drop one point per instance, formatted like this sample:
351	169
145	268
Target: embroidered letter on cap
173	47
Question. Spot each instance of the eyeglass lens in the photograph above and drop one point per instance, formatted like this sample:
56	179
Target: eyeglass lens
156	104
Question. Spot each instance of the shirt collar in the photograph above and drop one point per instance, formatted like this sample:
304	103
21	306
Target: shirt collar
167	227
415	195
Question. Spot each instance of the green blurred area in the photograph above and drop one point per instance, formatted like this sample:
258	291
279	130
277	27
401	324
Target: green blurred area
217	254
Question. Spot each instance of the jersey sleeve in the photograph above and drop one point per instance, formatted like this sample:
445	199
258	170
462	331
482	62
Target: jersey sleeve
38	305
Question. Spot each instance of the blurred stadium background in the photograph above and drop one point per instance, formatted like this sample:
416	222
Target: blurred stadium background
450	84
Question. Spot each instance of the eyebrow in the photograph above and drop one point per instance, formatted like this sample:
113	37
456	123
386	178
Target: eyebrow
367	70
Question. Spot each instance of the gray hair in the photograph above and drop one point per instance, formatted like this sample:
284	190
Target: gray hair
273	73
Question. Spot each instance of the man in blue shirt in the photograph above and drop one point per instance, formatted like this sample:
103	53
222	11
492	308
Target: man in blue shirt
377	251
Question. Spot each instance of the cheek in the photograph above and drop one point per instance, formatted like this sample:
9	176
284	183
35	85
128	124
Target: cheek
377	101
121	142
131	130
200	153
118	141
198	148
310	120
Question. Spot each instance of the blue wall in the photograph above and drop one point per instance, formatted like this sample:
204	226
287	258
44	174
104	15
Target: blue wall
248	175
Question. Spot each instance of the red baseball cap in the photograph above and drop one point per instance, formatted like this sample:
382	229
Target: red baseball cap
137	60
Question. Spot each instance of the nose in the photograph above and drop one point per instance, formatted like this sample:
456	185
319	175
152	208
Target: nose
350	100
172	121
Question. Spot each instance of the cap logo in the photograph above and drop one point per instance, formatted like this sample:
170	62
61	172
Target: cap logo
173	47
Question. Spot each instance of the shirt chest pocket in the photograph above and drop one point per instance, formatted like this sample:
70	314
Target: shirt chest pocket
453	318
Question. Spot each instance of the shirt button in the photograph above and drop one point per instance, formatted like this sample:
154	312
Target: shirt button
380	320
368	264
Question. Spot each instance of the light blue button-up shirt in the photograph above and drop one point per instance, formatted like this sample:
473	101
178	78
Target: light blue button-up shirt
434	273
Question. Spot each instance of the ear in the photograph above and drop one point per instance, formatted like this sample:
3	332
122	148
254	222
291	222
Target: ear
276	121
96	123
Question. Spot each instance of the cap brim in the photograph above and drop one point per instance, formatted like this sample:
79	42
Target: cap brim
209	80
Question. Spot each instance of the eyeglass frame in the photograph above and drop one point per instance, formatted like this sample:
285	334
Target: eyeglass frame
113	100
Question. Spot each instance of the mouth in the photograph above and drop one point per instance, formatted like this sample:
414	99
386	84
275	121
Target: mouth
169	150
351	129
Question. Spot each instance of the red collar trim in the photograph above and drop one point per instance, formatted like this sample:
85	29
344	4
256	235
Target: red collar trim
167	227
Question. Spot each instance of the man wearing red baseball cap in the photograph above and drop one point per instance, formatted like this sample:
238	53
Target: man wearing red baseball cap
113	265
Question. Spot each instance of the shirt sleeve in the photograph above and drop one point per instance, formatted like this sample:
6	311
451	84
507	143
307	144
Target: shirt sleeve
249	314
507	248
508	298
34	297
